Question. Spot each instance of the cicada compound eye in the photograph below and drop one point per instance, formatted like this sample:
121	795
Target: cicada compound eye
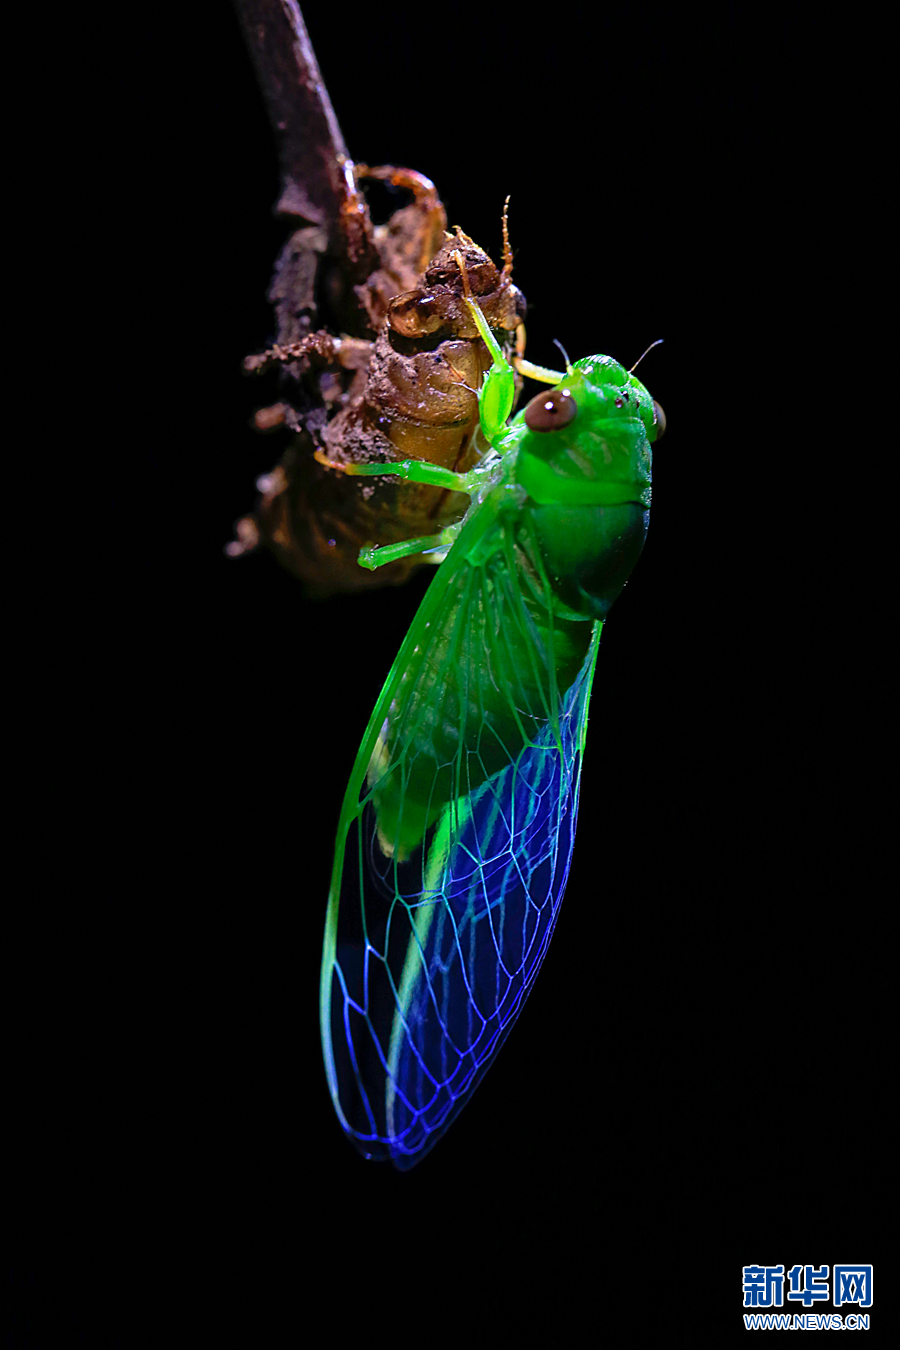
659	421
549	412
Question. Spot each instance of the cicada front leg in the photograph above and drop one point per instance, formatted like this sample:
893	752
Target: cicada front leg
349	353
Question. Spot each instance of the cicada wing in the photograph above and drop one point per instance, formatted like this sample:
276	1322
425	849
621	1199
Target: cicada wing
480	935
433	950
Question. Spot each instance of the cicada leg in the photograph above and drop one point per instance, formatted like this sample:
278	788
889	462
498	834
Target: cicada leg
498	391
350	353
541	373
437	544
433	217
409	470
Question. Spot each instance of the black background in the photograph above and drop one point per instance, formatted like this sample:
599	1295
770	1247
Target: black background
692	1085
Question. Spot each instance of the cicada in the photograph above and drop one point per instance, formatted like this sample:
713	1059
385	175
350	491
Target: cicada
456	831
374	343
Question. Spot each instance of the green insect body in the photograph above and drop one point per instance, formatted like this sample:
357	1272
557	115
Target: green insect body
456	831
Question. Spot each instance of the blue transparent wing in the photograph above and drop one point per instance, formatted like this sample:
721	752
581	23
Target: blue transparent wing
481	935
435	952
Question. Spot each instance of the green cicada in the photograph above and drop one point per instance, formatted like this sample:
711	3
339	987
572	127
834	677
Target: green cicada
456	831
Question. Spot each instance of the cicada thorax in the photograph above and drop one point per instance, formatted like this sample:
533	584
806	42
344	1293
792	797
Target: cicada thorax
584	459
394	378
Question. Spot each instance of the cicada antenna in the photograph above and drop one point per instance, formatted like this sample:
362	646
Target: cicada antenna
507	251
643	354
565	356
